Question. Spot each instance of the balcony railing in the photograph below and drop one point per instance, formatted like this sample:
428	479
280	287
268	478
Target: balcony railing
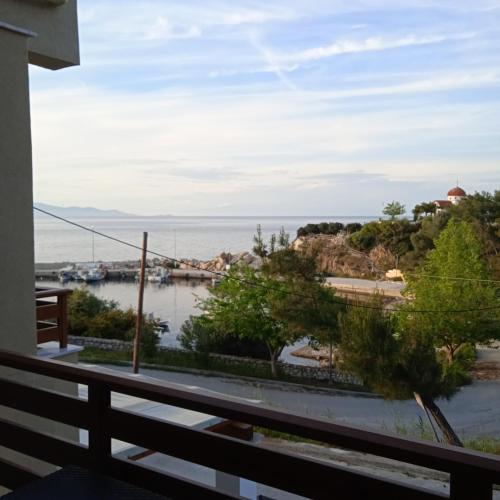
52	315
472	474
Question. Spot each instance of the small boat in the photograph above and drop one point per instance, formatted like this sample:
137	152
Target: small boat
158	275
92	273
67	273
162	326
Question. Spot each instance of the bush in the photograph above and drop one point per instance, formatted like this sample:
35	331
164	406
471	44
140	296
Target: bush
90	316
366	237
200	335
353	227
330	228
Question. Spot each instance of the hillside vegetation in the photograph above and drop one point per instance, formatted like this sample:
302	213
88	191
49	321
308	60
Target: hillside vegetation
370	249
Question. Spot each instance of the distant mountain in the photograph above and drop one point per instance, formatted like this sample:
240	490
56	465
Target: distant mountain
79	211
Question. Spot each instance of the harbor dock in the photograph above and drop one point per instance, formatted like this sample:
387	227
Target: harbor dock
125	273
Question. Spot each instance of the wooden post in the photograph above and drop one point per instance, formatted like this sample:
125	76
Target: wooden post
138	324
330	359
62	320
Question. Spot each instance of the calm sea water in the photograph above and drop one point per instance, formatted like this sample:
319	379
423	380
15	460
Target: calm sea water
181	237
175	301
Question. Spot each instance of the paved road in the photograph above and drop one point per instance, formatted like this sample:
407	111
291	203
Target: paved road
474	411
388	288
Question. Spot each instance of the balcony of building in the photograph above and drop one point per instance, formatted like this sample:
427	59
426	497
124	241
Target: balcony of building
221	448
52	315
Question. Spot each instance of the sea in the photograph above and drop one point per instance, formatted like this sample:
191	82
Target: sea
180	237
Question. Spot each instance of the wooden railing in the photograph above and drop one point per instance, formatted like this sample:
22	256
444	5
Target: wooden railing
52	315
472	474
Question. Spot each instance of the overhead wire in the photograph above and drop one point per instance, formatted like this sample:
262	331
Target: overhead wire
253	283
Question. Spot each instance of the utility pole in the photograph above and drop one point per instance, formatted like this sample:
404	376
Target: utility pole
139	321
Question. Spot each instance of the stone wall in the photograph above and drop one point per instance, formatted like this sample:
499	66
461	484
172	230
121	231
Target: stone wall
104	344
292	370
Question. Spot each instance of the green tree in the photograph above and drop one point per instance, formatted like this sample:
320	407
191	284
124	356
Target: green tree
394	209
397	364
243	305
308	307
353	227
365	238
458	254
425	209
482	211
276	242
322	315
199	334
259	247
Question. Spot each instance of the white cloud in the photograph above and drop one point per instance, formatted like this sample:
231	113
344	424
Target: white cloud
250	16
149	124
163	30
433	83
367	45
110	147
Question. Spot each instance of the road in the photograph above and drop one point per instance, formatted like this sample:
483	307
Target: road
473	411
362	286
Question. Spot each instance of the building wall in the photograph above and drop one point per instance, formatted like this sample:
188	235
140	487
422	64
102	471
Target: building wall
455	199
17	275
17	304
56	42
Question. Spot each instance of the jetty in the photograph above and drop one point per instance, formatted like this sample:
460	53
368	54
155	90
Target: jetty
121	273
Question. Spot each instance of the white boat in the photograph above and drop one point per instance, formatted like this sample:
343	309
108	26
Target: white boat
162	325
92	273
158	275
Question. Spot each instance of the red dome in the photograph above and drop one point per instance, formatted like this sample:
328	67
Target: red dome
457	191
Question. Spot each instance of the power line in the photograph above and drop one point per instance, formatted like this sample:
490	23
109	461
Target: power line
252	283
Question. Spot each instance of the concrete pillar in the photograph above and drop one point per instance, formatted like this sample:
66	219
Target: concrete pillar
17	303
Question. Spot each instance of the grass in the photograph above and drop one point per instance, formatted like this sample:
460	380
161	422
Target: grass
189	360
286	437
484	444
422	430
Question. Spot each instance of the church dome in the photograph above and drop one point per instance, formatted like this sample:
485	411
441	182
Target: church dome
456	191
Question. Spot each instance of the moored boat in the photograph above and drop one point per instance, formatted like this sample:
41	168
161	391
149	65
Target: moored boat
92	273
158	275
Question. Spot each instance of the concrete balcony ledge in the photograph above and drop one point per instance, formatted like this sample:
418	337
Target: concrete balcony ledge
51	350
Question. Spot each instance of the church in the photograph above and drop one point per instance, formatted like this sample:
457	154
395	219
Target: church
455	195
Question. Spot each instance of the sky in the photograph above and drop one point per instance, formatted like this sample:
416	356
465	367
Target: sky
276	107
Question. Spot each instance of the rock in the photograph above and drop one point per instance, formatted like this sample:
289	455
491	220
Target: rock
334	256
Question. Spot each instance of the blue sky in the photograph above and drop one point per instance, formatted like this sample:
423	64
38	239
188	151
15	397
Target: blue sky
327	107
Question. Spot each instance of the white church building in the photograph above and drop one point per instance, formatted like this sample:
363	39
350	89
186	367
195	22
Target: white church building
455	195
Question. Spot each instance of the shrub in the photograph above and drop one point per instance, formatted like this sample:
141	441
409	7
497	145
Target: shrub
201	336
90	316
